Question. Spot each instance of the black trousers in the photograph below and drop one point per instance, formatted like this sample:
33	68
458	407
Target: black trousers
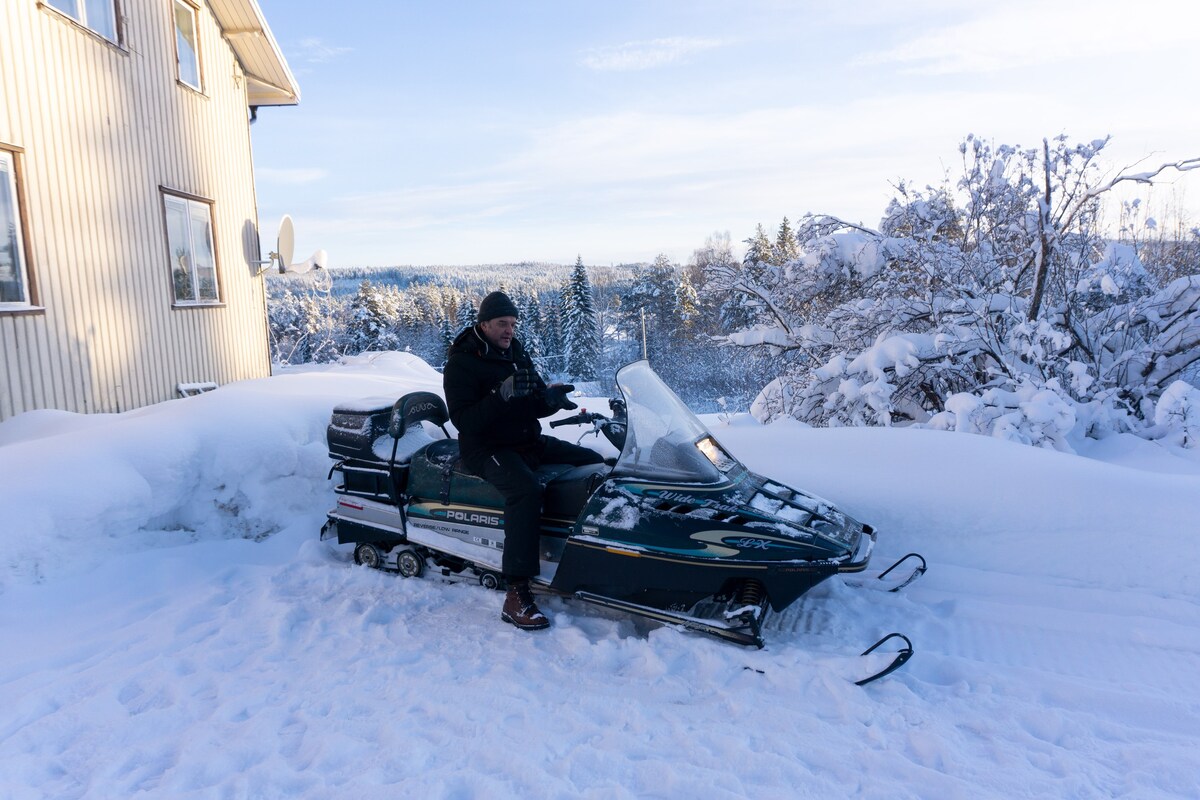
512	472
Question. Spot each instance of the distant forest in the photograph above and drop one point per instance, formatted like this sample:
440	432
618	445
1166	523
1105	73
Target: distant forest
634	309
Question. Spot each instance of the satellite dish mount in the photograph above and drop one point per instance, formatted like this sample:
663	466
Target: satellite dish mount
285	246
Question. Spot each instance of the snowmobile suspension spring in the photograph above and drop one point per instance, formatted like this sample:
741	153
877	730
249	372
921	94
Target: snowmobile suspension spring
751	593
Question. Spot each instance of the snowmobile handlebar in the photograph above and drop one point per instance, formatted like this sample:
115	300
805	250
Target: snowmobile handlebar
584	417
613	428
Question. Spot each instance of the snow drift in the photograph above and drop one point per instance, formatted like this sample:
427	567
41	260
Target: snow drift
173	627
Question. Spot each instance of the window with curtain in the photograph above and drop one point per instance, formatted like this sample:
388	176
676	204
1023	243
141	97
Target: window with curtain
193	261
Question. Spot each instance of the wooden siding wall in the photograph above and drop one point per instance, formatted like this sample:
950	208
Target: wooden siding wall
102	128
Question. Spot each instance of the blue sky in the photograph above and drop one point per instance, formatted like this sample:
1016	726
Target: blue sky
488	132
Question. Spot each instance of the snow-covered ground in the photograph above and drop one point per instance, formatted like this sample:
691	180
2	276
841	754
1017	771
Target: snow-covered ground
173	627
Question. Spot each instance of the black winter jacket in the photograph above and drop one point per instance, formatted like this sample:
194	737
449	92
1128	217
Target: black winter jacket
485	422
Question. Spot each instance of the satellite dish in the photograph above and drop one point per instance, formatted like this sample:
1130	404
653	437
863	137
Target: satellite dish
316	261
285	245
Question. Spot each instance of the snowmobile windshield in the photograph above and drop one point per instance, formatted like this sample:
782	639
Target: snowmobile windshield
665	441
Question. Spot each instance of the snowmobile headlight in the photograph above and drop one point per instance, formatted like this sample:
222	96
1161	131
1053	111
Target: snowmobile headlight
716	454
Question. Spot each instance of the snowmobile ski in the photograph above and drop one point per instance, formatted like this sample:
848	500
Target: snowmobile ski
902	657
867	580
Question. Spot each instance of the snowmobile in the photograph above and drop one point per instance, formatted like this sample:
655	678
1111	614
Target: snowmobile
676	530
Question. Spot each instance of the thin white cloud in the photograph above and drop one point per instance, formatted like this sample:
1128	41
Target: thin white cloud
1041	33
290	175
632	184
649	54
313	50
437	206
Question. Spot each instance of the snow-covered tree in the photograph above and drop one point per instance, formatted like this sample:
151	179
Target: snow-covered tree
304	328
446	337
581	332
786	247
553	344
995	304
648	309
530	321
759	247
687	306
373	314
466	314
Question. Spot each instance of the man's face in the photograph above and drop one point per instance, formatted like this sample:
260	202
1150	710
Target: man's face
499	331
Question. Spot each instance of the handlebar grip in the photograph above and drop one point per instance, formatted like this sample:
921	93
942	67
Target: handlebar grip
558	423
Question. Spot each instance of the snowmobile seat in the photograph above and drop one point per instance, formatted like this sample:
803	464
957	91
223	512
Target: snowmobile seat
569	490
417	407
438	472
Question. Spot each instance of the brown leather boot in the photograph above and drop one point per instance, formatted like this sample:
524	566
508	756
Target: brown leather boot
520	610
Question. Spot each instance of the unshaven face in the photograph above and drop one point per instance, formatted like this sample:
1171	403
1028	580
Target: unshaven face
499	331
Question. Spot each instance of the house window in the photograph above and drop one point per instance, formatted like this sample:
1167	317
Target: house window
14	271
97	15
187	50
190	244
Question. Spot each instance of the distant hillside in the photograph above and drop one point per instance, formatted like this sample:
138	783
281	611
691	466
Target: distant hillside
473	280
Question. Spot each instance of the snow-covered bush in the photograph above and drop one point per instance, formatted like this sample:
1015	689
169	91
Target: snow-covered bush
1029	415
995	306
1177	415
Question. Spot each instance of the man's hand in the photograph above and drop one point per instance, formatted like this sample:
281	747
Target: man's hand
520	384
556	396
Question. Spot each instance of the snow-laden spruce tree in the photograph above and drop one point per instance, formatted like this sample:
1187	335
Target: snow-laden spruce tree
996	305
530	324
446	337
581	333
466	314
305	326
372	319
648	311
286	327
553	345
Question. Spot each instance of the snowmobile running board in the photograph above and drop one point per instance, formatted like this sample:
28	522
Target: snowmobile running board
749	634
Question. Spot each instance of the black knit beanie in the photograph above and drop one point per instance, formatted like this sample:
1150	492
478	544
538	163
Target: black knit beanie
496	304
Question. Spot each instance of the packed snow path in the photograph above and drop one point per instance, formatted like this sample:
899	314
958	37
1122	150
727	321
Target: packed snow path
1056	631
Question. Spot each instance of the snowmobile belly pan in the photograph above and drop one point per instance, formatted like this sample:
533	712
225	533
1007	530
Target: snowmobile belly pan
669	581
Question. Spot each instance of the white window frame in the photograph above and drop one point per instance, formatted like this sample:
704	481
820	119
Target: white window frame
19	257
78	10
184	7
183	269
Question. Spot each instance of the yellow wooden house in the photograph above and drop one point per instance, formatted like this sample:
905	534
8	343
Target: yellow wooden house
128	223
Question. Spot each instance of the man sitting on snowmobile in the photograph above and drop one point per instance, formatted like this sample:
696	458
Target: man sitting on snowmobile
495	398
